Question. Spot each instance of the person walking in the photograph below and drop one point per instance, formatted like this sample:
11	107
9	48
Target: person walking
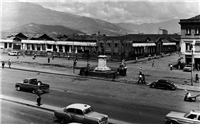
198	67
38	100
48	60
153	63
3	64
9	63
171	66
39	93
197	78
74	65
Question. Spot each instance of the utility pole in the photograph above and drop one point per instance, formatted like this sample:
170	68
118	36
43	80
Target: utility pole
192	50
192	68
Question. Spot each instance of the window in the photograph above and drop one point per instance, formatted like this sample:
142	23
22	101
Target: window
70	110
5	45
197	31
25	81
10	45
116	45
188	31
79	112
38	47
192	116
33	47
188	46
43	47
108	44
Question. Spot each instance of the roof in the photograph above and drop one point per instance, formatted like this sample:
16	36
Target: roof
195	19
78	106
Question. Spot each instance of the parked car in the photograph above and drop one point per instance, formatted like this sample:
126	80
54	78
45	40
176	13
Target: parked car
164	84
192	117
188	68
13	53
80	113
32	84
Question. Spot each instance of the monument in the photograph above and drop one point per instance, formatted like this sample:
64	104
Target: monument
102	64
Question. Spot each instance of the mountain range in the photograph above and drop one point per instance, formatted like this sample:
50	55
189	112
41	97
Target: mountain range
19	16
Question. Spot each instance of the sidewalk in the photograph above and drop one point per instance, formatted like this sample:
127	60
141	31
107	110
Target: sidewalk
48	107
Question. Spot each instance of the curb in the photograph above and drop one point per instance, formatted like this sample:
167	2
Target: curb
111	121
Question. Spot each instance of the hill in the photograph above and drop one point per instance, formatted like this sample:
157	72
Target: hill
33	28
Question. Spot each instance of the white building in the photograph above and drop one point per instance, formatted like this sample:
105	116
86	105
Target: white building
190	39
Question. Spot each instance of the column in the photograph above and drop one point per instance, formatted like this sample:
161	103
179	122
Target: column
76	50
63	47
70	49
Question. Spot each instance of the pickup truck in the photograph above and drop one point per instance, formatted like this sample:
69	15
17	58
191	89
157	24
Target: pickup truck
31	84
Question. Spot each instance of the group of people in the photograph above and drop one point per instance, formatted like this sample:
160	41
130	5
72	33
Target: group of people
9	63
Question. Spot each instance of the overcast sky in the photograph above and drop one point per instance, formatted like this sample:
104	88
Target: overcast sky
129	11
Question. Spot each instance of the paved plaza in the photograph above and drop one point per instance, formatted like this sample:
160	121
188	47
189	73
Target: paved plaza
64	66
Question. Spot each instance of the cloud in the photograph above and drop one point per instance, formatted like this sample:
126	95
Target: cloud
128	11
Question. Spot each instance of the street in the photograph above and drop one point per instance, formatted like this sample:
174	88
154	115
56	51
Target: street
12	113
125	102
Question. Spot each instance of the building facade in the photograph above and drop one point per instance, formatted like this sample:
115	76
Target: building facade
117	48
190	40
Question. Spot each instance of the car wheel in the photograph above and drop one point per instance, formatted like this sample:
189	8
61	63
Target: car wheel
152	86
18	88
63	121
173	122
33	91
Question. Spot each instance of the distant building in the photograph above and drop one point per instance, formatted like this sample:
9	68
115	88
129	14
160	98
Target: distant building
190	39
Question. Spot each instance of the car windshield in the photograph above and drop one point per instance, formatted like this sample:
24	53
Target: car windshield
88	110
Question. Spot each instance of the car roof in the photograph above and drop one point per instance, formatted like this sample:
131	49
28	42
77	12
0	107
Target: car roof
30	78
195	111
78	106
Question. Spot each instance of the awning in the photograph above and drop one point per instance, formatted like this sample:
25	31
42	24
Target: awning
143	44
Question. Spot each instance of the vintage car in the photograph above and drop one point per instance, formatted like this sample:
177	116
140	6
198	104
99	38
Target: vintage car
164	84
192	117
32	84
80	113
188	68
13	53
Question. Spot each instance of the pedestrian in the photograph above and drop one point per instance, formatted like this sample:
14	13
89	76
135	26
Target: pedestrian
198	68
38	100
9	63
171	66
114	76
143	78
38	93
3	64
153	63
74	65
140	80
48	60
197	78
140	72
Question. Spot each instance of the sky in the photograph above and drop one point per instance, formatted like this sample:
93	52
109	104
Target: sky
128	11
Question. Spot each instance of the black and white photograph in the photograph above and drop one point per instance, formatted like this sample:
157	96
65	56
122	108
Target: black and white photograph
100	61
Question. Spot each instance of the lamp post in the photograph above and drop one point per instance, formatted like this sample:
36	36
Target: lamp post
192	68
192	50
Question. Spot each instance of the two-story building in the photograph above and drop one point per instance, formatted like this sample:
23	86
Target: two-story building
190	39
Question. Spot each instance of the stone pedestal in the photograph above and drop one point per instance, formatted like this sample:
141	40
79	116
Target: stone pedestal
102	64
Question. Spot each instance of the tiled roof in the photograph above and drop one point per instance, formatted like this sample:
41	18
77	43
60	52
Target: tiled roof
195	19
